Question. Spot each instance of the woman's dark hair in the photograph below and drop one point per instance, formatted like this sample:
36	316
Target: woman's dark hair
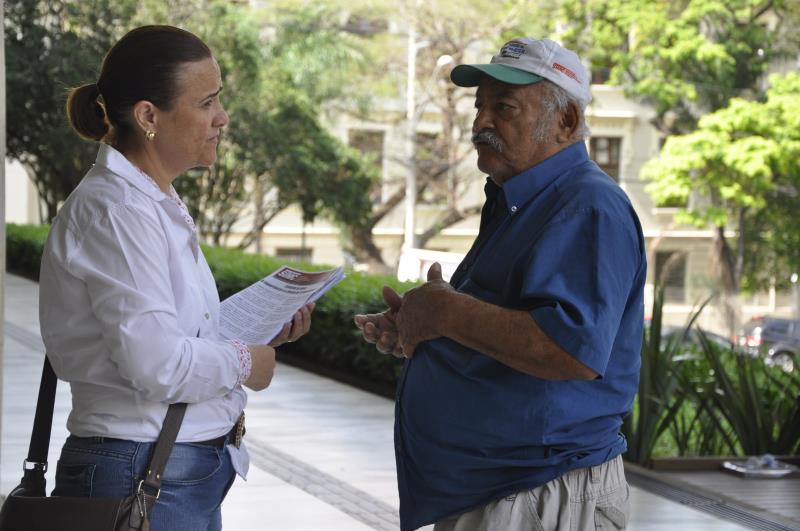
142	65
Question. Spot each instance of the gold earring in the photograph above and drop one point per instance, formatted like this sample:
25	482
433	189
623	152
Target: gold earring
149	135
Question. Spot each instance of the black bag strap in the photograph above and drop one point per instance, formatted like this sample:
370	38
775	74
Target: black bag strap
43	421
169	432
33	481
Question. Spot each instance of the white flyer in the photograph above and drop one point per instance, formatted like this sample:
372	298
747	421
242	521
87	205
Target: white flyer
256	314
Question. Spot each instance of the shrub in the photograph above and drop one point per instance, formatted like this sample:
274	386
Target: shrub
334	341
699	398
659	407
694	398
754	405
24	244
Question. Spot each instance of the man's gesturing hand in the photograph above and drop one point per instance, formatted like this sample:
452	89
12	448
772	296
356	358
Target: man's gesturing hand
416	316
380	328
423	310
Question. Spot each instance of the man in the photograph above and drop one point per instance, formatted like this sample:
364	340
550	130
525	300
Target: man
524	365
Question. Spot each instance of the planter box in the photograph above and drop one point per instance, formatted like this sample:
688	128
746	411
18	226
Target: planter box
698	482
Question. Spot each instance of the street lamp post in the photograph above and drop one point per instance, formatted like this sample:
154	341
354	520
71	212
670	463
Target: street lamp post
411	141
414	112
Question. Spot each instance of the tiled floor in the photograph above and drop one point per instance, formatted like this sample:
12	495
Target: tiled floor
322	455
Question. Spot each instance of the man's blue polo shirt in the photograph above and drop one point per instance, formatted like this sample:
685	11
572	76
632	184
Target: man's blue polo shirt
564	243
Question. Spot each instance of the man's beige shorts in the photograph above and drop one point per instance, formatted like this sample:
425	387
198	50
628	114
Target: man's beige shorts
586	498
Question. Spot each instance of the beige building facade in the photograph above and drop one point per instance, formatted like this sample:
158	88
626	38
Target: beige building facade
622	140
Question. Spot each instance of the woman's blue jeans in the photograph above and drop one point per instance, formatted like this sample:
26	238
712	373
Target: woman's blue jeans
196	479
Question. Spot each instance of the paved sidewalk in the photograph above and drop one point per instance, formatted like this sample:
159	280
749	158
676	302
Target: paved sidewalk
322	454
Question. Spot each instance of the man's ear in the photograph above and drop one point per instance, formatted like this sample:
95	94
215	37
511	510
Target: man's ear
145	114
569	124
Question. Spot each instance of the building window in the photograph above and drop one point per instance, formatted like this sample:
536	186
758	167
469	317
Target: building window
430	160
672	202
370	143
294	254
600	75
605	151
671	274
602	64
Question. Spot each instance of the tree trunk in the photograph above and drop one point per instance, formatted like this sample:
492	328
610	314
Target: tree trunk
367	252
729	277
449	218
52	209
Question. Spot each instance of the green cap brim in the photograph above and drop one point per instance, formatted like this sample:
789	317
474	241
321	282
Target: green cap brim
470	75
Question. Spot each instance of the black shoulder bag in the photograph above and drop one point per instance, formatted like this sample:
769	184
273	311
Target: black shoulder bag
28	508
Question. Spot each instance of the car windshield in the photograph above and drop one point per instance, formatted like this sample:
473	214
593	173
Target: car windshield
778	327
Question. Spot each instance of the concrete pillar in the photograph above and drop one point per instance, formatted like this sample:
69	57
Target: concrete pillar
2	199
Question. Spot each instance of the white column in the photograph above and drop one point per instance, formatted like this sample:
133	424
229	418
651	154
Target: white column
2	200
411	139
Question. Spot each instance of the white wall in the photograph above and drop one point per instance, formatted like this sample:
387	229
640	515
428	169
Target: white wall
21	200
2	194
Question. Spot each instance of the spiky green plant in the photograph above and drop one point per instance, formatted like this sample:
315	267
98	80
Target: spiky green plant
754	406
659	399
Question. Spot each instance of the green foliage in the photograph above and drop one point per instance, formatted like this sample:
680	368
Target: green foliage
694	398
689	58
755	405
217	196
683	58
333	342
51	46
336	342
744	162
660	400
445	34
275	151
315	170
24	246
311	37
697	397
686	59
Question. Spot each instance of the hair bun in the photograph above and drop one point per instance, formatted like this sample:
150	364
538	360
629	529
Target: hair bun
86	115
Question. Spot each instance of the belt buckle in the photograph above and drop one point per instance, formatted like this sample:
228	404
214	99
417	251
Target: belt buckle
239	431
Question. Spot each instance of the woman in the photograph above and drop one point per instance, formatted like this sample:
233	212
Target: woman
129	309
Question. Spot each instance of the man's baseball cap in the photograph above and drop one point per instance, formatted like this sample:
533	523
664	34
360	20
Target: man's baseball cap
524	61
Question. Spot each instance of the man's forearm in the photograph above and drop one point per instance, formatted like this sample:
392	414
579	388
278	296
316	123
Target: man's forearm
512	337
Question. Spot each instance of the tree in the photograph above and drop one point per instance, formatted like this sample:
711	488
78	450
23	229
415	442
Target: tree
743	164
51	46
55	45
275	151
687	59
218	196
443	29
684	58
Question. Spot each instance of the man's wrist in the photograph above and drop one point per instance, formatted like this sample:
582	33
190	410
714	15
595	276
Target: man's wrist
448	307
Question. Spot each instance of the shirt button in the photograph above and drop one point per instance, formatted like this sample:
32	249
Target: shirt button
207	316
514	208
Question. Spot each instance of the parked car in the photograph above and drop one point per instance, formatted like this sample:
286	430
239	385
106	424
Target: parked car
671	331
776	338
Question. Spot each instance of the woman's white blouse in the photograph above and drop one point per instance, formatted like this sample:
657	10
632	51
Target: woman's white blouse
129	313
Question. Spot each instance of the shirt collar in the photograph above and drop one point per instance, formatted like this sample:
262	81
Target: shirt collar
523	187
114	161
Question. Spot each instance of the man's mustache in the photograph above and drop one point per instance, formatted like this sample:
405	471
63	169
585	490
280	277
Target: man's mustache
487	137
